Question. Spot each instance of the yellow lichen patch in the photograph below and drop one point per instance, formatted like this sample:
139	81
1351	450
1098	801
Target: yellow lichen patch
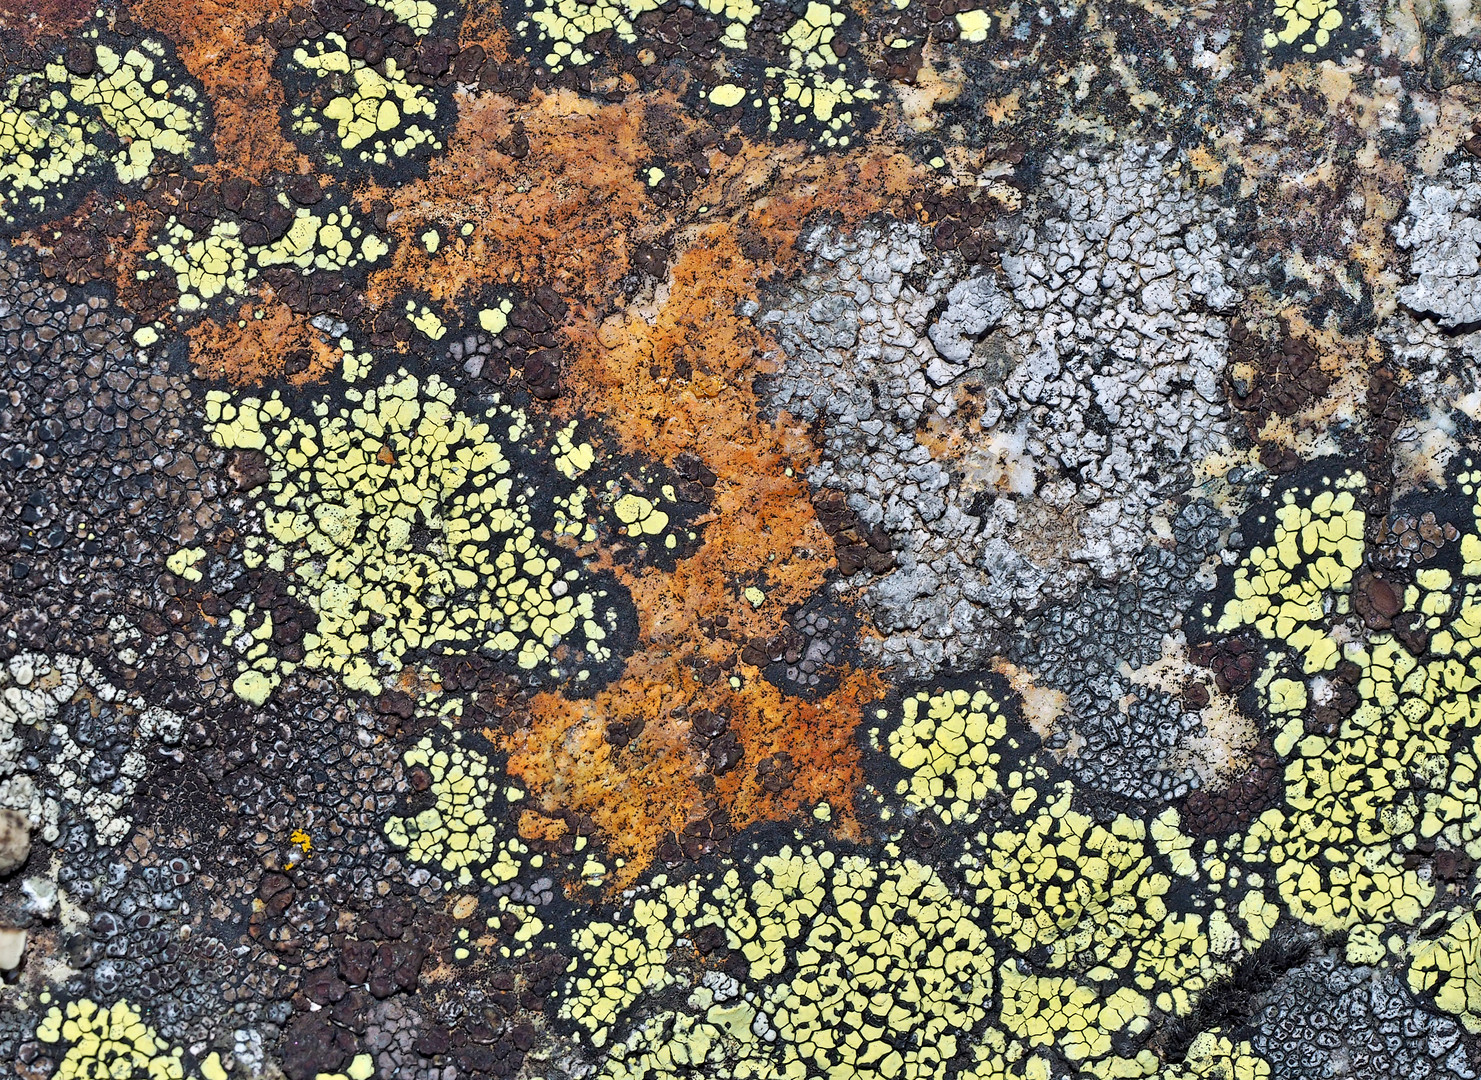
945	742
418	15
813	92
1337	844
1393	777
361	1067
235	69
853	968
1094	897
147	113
219	262
182	563
1056	1011
52	122
1278	588
353	489
107	1042
376	118
1449	967
457	832
973	25
42	149
1217	1057
812	97
719	1040
560	27
1296	19
641	517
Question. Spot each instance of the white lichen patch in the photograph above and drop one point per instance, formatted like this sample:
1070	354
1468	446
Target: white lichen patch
1092	364
88	740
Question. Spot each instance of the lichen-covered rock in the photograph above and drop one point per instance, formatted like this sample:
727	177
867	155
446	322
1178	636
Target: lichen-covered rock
1079	389
15	840
1442	233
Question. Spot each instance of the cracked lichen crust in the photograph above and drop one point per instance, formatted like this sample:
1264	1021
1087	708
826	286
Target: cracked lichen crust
1082	385
1129	737
1442	233
223	260
1330	1018
106	104
112	1041
852	967
71	739
409	526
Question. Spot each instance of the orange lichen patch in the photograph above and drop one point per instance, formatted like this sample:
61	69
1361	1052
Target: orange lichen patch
778	190
634	799
30	20
759	530
483	25
820	738
567	213
535	826
246	100
573	211
1209	168
638	796
259	344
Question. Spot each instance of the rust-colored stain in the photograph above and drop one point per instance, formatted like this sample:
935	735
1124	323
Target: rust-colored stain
264	340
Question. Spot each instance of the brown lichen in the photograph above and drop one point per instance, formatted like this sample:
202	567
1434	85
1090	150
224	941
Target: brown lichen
31	20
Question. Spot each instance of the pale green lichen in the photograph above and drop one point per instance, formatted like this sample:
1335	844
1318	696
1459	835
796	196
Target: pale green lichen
402	522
